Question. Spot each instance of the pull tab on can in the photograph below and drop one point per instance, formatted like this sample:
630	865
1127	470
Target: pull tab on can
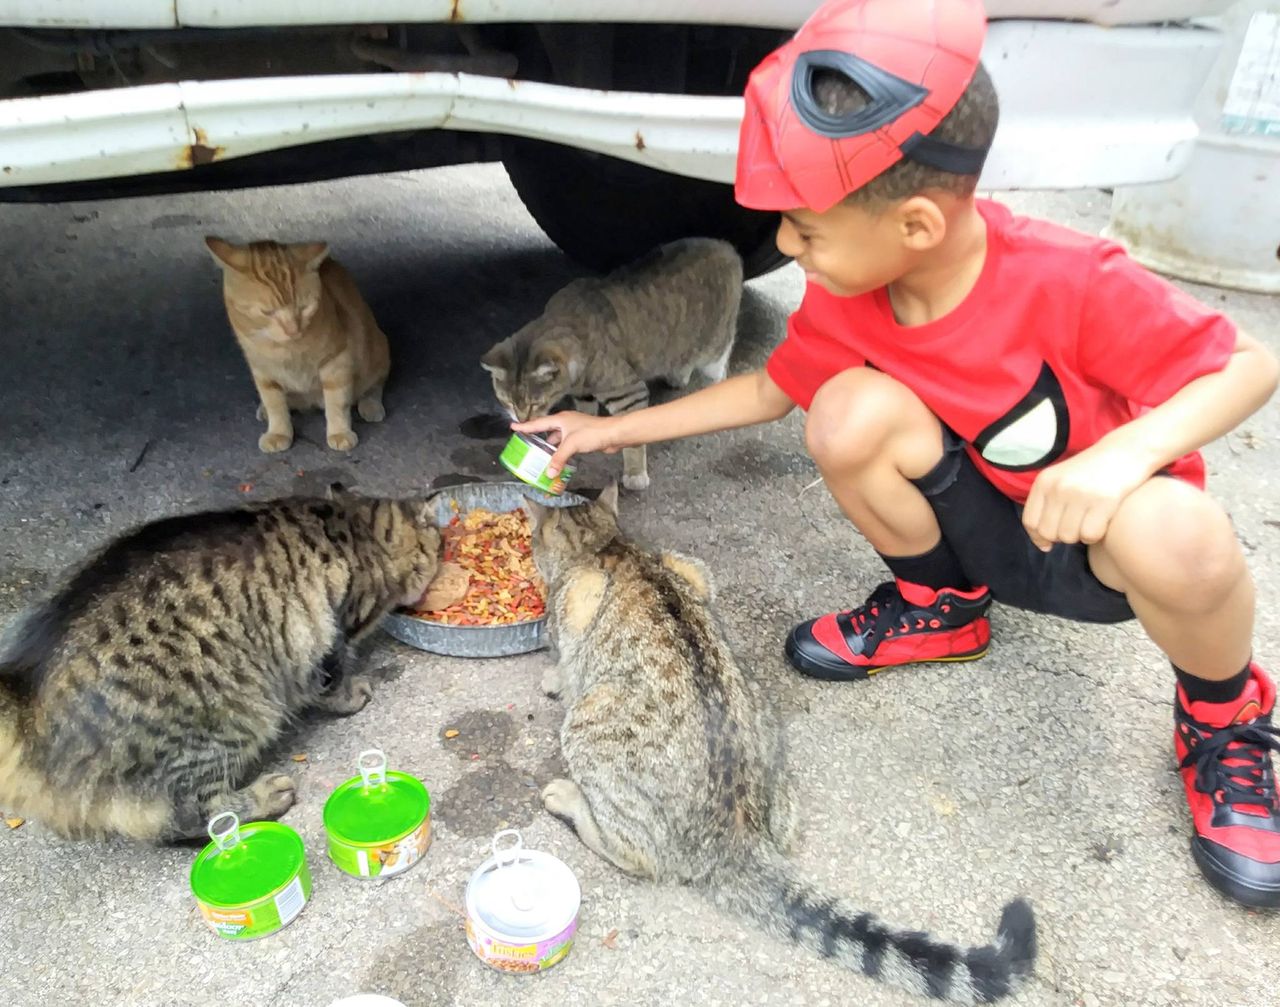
522	893
224	830
508	855
373	767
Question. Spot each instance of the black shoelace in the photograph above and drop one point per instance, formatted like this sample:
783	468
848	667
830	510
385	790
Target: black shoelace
884	610
1251	780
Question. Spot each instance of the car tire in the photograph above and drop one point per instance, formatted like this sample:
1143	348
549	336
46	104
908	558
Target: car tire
603	212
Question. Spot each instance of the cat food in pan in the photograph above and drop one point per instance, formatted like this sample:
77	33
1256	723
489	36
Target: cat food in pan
526	457
252	880
378	823
486	575
522	908
434	624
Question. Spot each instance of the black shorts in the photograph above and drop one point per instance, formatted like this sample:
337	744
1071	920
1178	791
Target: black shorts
984	529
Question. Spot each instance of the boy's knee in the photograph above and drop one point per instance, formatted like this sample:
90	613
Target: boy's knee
854	415
1181	535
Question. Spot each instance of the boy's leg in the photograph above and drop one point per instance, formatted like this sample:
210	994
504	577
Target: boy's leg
1172	551
871	437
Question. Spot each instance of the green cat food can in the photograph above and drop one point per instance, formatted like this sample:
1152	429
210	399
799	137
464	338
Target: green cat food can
526	457
252	880
522	908
378	823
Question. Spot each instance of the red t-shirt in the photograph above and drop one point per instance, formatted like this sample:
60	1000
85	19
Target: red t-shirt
1062	339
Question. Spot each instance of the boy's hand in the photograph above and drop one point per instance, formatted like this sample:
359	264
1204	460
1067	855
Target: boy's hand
573	433
1075	500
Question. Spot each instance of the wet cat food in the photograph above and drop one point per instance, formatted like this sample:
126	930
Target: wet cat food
526	457
378	823
252	880
522	908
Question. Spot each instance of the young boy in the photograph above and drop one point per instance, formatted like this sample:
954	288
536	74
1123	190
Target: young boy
1005	409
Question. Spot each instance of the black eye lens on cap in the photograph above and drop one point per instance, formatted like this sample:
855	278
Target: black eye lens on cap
889	96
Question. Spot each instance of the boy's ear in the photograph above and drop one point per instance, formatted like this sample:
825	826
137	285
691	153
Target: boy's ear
227	255
608	499
921	223
310	254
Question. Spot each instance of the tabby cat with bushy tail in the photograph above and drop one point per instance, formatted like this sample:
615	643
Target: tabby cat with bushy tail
141	697
676	767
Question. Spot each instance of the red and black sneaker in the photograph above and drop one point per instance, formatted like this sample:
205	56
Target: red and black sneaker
1224	752
901	623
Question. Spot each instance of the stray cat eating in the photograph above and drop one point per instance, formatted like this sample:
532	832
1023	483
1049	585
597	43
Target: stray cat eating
676	763
138	700
599	341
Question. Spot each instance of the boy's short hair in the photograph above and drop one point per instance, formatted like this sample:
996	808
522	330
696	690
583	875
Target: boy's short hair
971	123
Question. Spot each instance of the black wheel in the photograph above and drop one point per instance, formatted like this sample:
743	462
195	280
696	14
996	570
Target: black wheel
603	212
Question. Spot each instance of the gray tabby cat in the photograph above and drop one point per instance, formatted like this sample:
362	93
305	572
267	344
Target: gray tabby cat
676	761
137	700
599	341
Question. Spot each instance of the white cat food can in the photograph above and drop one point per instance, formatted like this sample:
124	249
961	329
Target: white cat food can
522	908
526	457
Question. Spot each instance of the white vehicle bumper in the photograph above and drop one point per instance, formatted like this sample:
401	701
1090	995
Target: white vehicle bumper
1082	106
763	13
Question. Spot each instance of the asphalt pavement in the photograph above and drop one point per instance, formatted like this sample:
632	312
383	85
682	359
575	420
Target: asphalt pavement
930	796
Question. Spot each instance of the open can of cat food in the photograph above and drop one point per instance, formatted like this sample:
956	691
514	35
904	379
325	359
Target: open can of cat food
522	908
526	457
378	823
252	880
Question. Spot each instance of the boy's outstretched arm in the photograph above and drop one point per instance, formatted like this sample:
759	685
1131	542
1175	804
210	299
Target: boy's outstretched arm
1075	500
740	401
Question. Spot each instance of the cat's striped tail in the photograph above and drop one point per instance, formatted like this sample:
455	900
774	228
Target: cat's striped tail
762	884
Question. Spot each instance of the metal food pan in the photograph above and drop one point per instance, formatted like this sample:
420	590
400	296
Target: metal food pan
477	641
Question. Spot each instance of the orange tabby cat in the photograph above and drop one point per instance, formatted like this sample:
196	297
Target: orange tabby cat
308	336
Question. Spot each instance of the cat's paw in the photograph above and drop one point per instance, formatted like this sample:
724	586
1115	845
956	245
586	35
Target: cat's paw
371	410
640	481
551	684
273	794
344	440
272	443
352	697
561	798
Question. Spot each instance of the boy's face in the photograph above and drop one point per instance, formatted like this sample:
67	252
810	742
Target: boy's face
848	250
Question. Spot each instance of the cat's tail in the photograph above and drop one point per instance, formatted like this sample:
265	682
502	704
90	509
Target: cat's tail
10	744
762	884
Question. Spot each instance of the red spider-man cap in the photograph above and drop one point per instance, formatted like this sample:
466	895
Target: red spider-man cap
913	58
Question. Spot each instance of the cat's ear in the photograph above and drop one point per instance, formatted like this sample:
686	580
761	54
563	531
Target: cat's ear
608	499
338	492
564	349
310	254
550	360
498	360
227	255
537	512
694	573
